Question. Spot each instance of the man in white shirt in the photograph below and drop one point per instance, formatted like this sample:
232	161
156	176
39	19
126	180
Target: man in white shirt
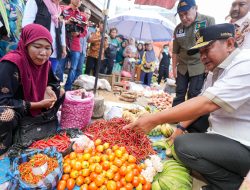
240	17
221	156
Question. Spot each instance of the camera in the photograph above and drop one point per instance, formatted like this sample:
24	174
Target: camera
75	26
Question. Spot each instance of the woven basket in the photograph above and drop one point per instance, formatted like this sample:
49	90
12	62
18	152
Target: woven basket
76	112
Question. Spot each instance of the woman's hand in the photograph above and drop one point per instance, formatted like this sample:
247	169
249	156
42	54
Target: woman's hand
49	93
143	124
47	103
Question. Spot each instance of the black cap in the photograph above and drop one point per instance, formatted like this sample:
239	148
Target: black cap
211	33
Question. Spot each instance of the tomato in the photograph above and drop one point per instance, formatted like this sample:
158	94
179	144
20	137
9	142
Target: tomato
87	180
84	187
61	185
84	172
114	168
65	177
142	179
123	188
106	145
67	160
85	164
100	148
79	156
110	174
123	181
103	187
117	177
105	165
118	153
111	185
118	162
129	186
79	180
131	159
88	150
98	168
115	147
92	186
125	155
72	155
98	142
136	172
92	167
97	159
111	157
72	163
104	158
118	185
77	166
109	151
146	186
135	181
123	170
67	169
70	184
92	176
74	174
86	156
129	176
99	180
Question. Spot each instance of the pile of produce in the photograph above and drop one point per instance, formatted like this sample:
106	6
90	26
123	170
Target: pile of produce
161	101
137	144
164	144
37	160
128	96
173	176
102	167
60	141
132	115
164	129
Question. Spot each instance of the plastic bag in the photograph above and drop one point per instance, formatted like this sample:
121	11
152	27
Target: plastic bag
81	143
49	182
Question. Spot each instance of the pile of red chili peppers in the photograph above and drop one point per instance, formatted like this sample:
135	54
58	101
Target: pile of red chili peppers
60	141
111	131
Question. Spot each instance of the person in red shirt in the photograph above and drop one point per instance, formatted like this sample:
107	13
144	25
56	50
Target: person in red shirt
75	22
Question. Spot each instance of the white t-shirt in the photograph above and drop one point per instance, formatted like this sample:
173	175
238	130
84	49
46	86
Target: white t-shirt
29	17
231	91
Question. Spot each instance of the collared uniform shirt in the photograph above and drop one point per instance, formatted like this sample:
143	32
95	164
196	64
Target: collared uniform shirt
242	27
184	39
231	91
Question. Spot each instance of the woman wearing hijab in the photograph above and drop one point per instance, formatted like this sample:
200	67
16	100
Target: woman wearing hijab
130	53
119	58
27	83
148	64
47	13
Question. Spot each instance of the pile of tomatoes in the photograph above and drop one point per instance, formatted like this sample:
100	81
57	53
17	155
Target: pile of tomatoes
102	168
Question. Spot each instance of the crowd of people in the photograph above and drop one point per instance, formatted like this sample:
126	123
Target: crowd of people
210	63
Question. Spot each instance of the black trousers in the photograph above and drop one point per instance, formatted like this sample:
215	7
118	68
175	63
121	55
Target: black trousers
91	64
107	66
190	85
223	162
163	73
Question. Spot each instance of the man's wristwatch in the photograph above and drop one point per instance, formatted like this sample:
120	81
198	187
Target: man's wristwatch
179	126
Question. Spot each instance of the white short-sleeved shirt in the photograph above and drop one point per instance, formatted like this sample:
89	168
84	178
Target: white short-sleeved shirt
29	17
231	91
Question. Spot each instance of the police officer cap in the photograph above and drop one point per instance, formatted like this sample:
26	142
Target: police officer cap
185	5
207	35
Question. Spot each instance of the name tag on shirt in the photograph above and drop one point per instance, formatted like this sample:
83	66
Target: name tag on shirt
180	33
